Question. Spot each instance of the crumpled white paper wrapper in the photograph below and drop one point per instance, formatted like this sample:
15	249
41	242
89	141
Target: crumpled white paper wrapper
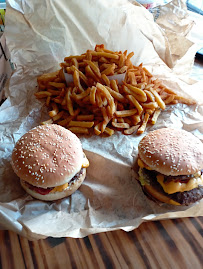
39	35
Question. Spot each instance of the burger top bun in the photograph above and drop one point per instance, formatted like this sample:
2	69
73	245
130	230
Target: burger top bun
47	156
172	152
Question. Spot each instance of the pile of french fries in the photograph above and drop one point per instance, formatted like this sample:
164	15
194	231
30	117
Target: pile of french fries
101	91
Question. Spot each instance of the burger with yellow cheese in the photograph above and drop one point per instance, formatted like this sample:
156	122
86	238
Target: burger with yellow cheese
50	162
171	166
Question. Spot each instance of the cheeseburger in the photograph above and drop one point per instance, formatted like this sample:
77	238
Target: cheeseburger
171	166
50	162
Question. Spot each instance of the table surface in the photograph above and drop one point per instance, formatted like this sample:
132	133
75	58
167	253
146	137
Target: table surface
162	244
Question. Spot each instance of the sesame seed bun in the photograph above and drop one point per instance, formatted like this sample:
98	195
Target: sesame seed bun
171	166
48	156
172	152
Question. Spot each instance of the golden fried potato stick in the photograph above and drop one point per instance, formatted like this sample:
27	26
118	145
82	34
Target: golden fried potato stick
54	111
106	55
155	116
137	96
79	130
150	105
86	124
58	116
114	85
126	113
82	76
94	68
109	131
93	95
89	72
105	79
116	95
50	121
69	102
158	98
109	70
81	95
76	80
142	128
75	62
131	130
65	121
85	117
42	94
108	96
136	90
97	128
121	125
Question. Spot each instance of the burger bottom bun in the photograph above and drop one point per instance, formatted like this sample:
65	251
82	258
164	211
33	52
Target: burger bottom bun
74	185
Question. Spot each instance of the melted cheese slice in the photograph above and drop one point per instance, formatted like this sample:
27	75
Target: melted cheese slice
172	187
60	188
142	164
85	164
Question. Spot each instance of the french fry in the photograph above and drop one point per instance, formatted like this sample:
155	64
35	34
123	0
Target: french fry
94	68
82	76
104	113
137	96
42	94
121	125
135	103
106	55
150	105
109	70
88	99
54	92
109	131
106	93
93	95
135	119
77	57
90	73
76	80
131	130
57	84
79	130
75	62
126	113
105	79
97	128
116	95
54	110
86	124
81	95
184	100
150	95
169	99
158	99
65	121
142	128
136	90
114	85
58	116
47	77
69	102
48	100
155	116
85	117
